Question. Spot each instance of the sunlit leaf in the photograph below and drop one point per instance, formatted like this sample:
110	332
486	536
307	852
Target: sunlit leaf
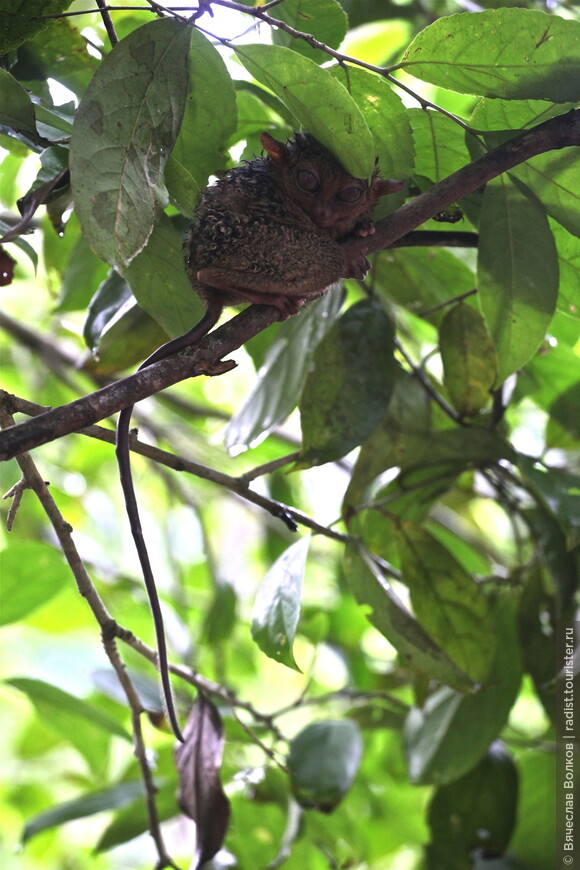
277	605
317	100
324	19
512	53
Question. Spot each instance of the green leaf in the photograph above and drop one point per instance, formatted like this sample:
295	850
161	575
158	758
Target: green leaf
133	820
22	593
350	384
87	805
208	120
282	375
22	19
517	273
442	743
388	615
387	119
514	114
535	834
128	338
125	127
324	19
318	101
404	428
16	108
468	356
81	724
160	283
421	279
559	491
554	178
112	294
476	812
220	617
59	52
277	605
440	147
323	761
516	54
568	248
446	600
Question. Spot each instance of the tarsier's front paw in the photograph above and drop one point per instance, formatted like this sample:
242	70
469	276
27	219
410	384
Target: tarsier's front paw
365	228
357	266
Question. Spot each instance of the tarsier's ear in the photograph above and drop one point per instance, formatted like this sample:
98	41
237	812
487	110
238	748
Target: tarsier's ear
277	150
381	186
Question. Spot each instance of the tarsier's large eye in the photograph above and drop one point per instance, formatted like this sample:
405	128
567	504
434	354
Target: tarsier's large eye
350	194
308	181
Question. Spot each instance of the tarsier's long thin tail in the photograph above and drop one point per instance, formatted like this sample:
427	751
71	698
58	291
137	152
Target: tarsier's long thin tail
122	450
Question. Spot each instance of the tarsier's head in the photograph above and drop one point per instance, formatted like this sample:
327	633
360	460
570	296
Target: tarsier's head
334	200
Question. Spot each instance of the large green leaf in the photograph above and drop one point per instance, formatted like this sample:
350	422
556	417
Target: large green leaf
447	601
442	742
125	127
512	53
517	273
389	616
277	605
349	385
317	100
208	120
21	592
386	116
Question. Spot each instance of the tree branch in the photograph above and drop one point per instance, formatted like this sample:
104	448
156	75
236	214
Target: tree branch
559	132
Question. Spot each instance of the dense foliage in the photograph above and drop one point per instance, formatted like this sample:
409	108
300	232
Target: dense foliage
383	690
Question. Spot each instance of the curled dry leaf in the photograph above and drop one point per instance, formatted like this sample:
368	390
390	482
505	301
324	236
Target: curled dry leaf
200	794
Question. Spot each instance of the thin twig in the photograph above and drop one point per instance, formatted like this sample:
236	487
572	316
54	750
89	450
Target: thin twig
107	21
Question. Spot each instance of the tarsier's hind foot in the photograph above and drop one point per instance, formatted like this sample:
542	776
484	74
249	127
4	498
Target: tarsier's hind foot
234	294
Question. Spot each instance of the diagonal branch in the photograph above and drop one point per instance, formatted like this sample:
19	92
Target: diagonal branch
559	132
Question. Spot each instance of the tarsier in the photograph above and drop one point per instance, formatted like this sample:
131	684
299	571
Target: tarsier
270	232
